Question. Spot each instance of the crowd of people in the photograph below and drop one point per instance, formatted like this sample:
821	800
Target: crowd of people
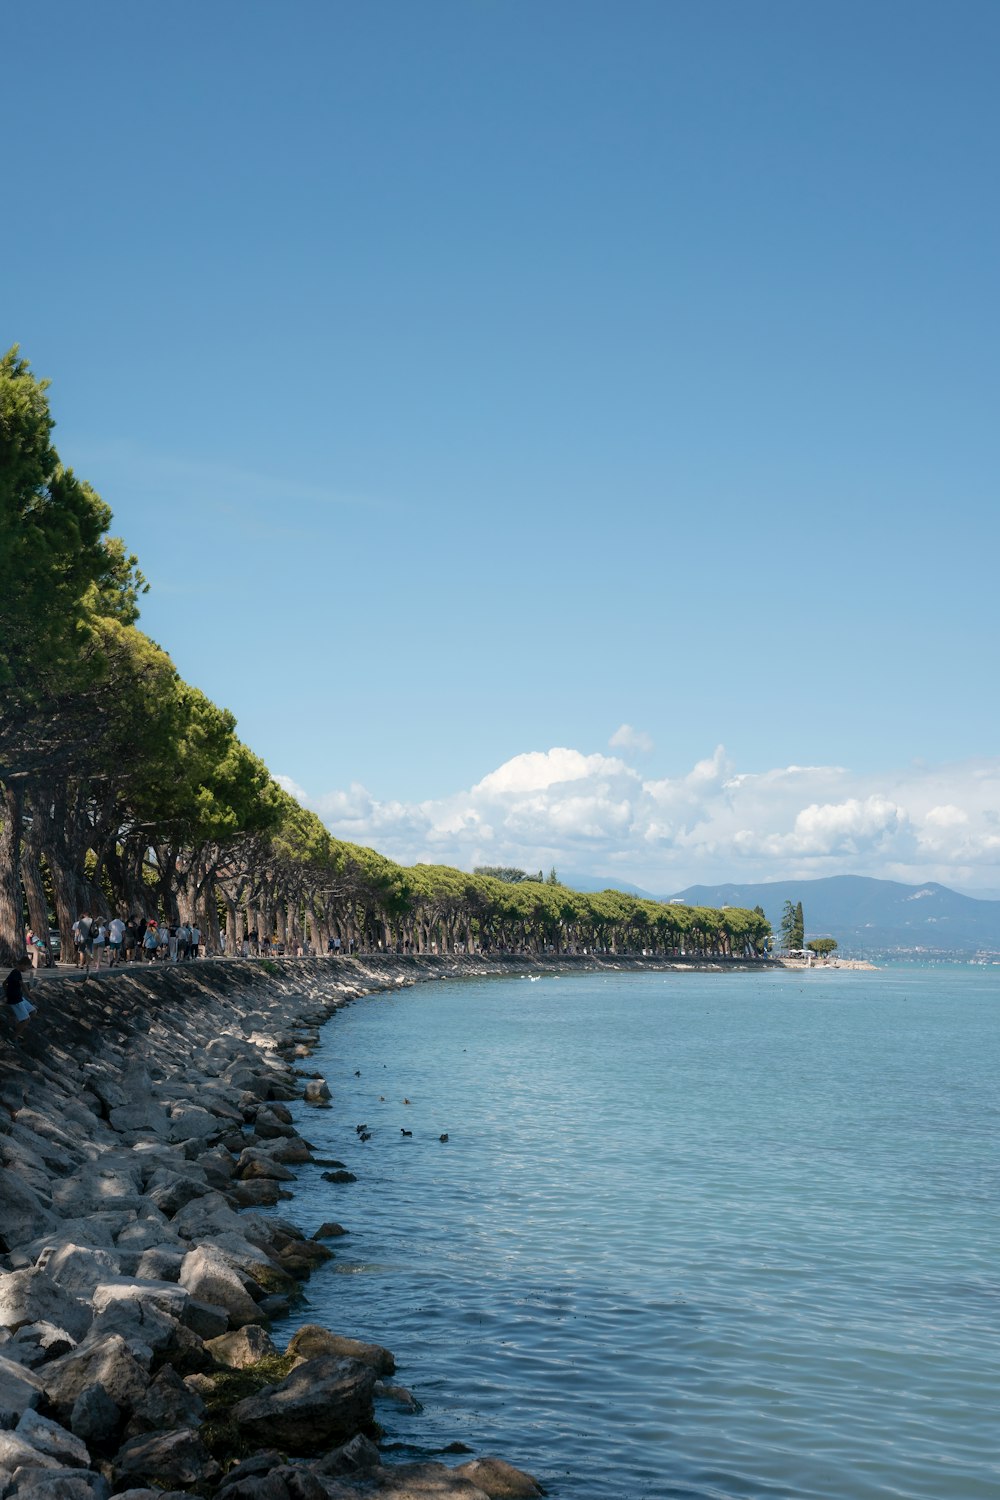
108	941
120	940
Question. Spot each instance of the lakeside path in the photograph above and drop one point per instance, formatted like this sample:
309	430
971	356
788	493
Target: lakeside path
143	1122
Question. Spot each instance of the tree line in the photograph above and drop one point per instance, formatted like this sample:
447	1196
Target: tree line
125	789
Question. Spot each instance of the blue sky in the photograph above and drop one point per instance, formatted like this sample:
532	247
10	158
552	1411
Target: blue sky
476	379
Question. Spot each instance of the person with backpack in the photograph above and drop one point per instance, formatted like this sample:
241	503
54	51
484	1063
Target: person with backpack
16	992
84	941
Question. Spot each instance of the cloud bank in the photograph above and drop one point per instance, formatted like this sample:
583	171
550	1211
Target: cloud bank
597	814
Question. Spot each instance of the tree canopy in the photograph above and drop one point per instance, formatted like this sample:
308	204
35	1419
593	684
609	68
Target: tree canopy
124	788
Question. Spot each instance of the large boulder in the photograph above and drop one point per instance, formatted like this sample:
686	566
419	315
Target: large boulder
96	1419
422	1481
500	1480
310	1341
19	1452
168	1459
167	1405
322	1402
48	1437
192	1122
79	1268
20	1391
25	1215
109	1363
58	1484
241	1348
207	1277
29	1296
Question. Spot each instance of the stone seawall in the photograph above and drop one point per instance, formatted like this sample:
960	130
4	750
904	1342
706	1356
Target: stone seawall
143	1123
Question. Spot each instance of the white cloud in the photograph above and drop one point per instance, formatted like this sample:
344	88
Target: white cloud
627	738
593	813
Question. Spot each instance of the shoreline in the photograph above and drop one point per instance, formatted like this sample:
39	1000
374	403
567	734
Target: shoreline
142	1124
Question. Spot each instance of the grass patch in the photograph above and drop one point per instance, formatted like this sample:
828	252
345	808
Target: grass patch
219	1432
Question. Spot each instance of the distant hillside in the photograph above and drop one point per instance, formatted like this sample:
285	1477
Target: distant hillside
588	883
870	916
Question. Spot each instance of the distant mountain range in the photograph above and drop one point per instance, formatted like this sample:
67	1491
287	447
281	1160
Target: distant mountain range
870	916
867	917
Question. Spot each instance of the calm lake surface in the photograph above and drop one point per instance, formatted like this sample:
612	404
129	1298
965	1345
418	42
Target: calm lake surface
692	1235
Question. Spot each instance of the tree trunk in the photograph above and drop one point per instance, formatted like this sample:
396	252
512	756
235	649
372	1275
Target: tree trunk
11	908
34	890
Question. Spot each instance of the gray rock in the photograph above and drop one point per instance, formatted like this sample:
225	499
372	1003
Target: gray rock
166	1296
79	1268
95	1418
259	1193
110	1363
256	1163
329	1230
191	1122
150	1232
209	1279
170	1197
251	1468
168	1404
36	1343
323	1401
48	1437
275	1307
58	1484
425	1481
160	1263
205	1319
168	1458
20	1391
317	1092
354	1457
218	1166
140	1117
30	1296
311	1340
400	1394
25	1216
242	1347
270	1486
500	1480
17	1452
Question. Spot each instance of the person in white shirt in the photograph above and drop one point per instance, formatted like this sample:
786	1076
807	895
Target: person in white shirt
116	936
195	939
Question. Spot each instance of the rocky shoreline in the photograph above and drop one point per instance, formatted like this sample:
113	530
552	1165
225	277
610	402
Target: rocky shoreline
143	1125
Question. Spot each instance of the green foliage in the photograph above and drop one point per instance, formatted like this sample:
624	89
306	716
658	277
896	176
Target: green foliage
792	926
507	873
822	946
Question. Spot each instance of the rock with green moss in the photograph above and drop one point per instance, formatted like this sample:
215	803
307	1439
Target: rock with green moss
324	1401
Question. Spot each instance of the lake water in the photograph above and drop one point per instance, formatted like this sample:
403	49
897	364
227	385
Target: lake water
692	1235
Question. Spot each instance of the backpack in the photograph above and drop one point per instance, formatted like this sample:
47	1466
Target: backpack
85	928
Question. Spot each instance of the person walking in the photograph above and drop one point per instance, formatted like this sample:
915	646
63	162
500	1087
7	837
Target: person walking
150	939
116	939
16	992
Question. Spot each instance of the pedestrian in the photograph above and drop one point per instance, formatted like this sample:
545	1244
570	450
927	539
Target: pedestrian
131	937
195	939
150	938
16	992
85	941
100	937
116	940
